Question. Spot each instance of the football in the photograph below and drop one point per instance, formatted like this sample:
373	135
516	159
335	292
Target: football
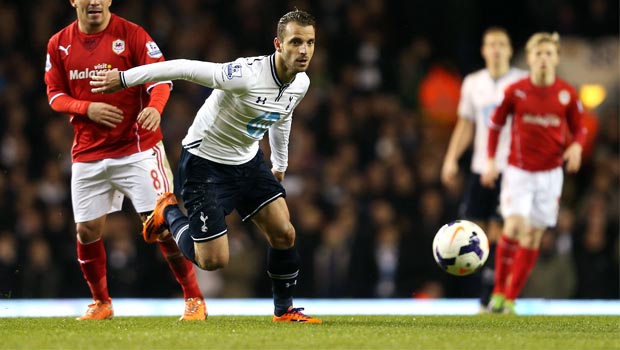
460	247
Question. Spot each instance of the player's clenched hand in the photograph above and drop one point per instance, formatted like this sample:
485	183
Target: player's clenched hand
149	118
105	114
572	156
278	174
448	172
490	174
109	81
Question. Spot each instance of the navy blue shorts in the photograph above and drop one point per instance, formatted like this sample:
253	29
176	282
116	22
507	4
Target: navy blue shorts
480	203
212	190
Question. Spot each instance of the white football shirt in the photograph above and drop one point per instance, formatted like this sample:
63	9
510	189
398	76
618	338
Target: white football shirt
248	100
480	96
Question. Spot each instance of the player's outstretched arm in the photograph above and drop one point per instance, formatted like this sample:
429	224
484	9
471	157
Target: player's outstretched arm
199	72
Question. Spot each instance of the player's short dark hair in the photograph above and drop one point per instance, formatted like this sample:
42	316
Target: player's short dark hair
496	29
298	16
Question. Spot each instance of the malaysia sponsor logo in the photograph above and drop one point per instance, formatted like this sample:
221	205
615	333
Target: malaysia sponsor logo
232	70
153	50
118	46
564	97
87	73
547	120
48	63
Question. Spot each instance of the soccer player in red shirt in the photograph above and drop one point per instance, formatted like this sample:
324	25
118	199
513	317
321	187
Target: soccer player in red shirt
117	148
544	108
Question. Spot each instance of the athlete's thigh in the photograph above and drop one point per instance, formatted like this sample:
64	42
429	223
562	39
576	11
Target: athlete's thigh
547	198
92	193
273	219
517	193
213	251
262	190
208	194
143	177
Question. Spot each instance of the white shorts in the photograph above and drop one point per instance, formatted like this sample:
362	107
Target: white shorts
533	195
98	188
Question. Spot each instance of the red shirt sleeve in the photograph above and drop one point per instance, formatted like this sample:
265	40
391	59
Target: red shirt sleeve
159	97
498	119
574	118
69	105
58	95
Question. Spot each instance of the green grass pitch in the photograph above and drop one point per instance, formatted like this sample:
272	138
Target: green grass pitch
337	332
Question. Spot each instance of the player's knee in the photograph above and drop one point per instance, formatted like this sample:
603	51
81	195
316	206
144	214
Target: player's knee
532	239
527	241
211	263
87	233
284	237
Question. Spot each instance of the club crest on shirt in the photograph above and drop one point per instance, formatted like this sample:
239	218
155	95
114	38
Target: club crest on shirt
118	46
564	97
153	50
520	94
232	70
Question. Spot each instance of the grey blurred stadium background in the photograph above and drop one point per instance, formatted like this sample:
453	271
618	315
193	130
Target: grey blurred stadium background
366	148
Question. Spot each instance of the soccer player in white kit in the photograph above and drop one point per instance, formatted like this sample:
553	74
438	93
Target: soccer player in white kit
222	167
544	109
481	92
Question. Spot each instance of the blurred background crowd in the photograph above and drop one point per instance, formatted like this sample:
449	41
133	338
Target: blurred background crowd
366	148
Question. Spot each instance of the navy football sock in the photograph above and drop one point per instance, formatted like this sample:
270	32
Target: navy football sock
283	269
179	228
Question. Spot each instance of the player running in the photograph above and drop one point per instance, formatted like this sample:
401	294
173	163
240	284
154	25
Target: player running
481	92
544	109
221	165
117	148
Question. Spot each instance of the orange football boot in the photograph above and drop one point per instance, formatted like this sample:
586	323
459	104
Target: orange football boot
295	315
154	224
98	310
195	310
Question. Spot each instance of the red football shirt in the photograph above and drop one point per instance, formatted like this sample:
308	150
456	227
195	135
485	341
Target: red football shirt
73	57
543	116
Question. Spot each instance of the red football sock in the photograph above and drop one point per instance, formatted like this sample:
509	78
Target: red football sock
182	268
92	259
524	262
504	254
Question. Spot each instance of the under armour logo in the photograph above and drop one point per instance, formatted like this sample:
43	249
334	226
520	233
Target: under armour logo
261	100
64	49
204	219
294	283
